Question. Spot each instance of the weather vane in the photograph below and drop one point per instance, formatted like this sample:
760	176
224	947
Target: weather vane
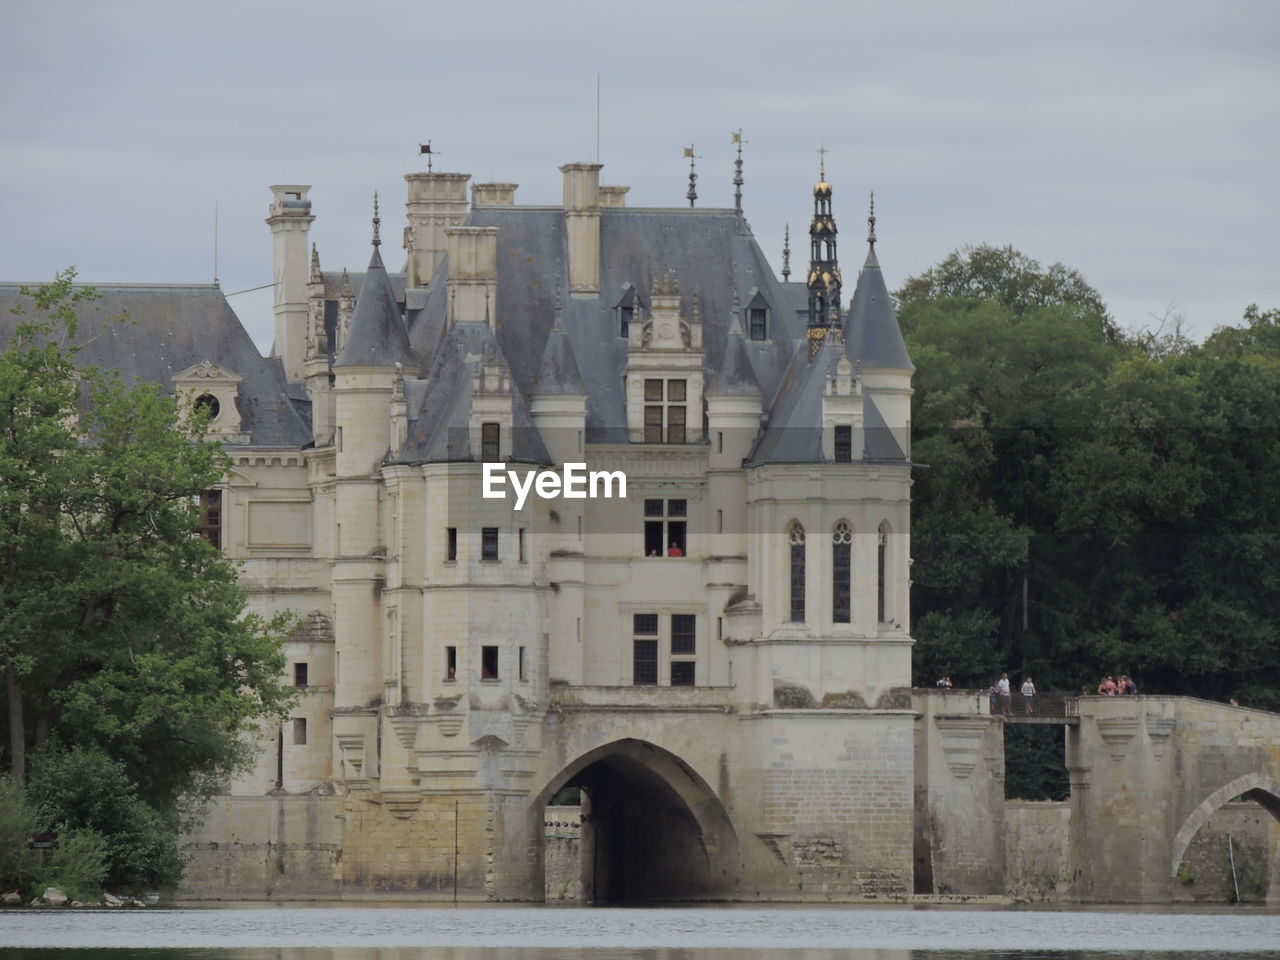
425	149
693	177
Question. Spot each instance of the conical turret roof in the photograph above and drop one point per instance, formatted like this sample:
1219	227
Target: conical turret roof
559	374
735	377
377	336
873	337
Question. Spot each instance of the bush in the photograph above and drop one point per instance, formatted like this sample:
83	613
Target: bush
77	865
17	827
84	788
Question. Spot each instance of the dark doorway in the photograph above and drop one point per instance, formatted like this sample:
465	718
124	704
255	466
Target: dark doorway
651	831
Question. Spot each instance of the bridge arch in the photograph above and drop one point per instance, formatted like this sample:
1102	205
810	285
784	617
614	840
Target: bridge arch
1259	787
653	829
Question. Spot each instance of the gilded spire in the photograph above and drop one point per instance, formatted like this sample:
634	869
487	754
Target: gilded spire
377	221
824	268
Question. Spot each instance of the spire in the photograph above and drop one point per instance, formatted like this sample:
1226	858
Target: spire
315	265
786	254
873	338
377	222
377	336
735	377
871	222
693	177
559	375
737	173
824	268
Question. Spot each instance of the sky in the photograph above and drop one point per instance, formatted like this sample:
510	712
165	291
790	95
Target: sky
1135	141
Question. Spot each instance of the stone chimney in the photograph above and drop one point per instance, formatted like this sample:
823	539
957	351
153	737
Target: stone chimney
290	222
582	224
436	201
613	196
493	194
473	274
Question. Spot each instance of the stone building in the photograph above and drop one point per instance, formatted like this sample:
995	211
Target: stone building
718	659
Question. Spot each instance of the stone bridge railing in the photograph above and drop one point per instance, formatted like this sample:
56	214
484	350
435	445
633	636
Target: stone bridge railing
1045	707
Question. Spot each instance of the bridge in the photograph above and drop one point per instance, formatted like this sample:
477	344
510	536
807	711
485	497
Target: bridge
1146	772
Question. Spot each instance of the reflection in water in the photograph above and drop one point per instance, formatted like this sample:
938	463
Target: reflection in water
499	932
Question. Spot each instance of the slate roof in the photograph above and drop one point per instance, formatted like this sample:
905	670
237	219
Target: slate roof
171	327
872	333
734	377
377	336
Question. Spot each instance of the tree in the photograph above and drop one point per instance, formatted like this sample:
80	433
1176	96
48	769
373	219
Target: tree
120	630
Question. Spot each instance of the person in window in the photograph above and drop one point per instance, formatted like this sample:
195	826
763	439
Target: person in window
675	551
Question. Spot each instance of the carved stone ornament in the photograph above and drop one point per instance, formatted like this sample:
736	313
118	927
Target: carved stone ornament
961	738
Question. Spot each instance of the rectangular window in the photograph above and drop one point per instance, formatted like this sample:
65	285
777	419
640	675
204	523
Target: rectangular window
844	444
624	321
299	731
683	633
524	671
211	517
653	424
300	675
451	544
665	527
490	433
653	390
524	557
489	543
841	568
682	672
450	664
488	663
664	412
719	521
644	662
757	323
675	424
644	624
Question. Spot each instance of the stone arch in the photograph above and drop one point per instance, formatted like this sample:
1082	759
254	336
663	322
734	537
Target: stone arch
1256	786
645	773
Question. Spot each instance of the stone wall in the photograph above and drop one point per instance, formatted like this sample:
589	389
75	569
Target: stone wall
263	848
1205	871
1036	837
562	854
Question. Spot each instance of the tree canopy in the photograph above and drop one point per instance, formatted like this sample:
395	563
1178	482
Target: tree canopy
122	633
1090	505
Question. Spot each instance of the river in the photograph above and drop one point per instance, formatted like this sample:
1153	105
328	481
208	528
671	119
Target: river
504	932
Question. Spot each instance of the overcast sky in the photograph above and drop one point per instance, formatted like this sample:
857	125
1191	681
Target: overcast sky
1135	141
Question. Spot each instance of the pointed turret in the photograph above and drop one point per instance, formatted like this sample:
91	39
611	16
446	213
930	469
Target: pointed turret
875	346
559	374
735	377
377	336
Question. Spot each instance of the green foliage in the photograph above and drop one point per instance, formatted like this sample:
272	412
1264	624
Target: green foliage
17	827
76	866
85	787
1035	763
1131	491
120	631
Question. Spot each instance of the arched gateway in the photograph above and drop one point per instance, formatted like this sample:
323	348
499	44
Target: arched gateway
652	828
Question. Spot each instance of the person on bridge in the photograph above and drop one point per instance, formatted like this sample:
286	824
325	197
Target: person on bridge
1028	692
1003	687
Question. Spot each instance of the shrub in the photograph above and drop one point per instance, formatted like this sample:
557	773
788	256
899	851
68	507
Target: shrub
83	787
17	827
76	866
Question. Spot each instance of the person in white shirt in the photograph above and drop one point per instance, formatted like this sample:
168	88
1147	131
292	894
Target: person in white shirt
1002	687
1028	692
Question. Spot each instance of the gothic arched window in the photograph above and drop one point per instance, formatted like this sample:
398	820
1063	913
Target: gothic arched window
795	538
841	571
882	583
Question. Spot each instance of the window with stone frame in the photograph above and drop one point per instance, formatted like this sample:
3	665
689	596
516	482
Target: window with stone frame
841	573
795	543
211	517
644	649
844	444
758	317
490	445
882	562
666	524
684	647
489	543
664	410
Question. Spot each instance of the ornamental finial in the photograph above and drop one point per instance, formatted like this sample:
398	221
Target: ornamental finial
871	221
737	172
786	254
377	222
692	193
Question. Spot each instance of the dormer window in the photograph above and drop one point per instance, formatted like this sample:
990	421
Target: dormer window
208	402
844	444
757	317
490	434
628	306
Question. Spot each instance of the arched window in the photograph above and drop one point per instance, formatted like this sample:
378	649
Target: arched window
795	537
882	584
841	570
